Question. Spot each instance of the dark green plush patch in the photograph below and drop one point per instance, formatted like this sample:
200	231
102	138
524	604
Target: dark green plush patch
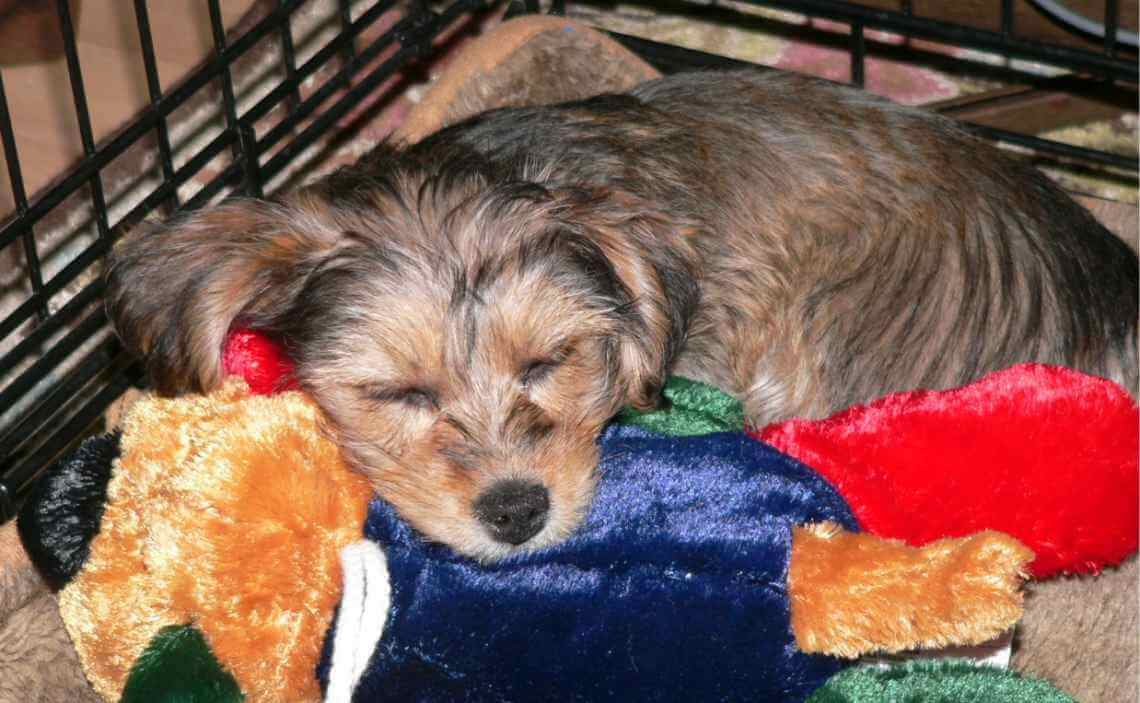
936	682
691	408
178	667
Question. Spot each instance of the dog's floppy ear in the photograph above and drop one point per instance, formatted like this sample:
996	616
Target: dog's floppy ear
650	253
175	289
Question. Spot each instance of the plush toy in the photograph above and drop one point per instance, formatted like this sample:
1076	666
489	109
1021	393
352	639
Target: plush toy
202	562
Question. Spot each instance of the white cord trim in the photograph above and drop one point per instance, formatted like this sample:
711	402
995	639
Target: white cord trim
360	623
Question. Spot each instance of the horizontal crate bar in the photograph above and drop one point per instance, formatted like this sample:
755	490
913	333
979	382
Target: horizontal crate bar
343	105
150	117
36	418
51	359
338	80
227	138
1059	149
670	58
76	378
43	331
146	120
962	36
19	478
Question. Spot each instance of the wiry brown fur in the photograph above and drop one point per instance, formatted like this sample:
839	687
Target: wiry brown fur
477	306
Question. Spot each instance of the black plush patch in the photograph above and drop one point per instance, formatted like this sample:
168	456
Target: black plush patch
63	511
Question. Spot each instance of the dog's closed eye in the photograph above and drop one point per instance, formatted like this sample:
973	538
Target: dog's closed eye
412	396
537	371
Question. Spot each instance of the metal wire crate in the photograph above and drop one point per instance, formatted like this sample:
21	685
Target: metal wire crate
51	373
60	367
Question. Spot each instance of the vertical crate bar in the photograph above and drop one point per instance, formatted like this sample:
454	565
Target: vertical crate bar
251	168
154	91
344	9
1111	25
1007	19
289	53
858	55
20	197
229	104
82	113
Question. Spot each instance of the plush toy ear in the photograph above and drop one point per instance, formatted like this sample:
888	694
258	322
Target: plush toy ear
1045	454
65	507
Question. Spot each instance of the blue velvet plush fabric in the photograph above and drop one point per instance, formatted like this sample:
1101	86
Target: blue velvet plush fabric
675	588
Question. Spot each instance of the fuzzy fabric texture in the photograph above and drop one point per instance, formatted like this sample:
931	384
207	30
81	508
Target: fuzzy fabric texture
936	682
685	548
1042	453
691	408
1081	633
37	660
64	509
259	361
227	510
854	594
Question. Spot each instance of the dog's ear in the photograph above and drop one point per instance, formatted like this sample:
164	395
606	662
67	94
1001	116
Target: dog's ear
651	255
174	290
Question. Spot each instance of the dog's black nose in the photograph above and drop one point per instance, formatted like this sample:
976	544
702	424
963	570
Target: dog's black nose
513	511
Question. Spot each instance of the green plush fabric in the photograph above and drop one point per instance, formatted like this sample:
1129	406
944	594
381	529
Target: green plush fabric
936	682
178	667
691	408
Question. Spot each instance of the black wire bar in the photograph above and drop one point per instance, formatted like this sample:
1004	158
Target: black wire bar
858	56
82	113
150	116
289	54
1103	65
344	11
154	91
229	104
20	197
228	139
1111	25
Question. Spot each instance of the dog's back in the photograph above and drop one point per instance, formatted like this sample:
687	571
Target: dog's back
845	247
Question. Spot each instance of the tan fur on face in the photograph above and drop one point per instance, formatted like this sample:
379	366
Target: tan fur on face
433	463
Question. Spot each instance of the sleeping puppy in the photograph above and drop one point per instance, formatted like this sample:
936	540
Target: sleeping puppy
470	311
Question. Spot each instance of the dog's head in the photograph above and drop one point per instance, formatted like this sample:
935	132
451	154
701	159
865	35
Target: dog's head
466	338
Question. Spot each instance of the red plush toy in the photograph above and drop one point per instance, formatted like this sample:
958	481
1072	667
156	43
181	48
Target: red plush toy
997	454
